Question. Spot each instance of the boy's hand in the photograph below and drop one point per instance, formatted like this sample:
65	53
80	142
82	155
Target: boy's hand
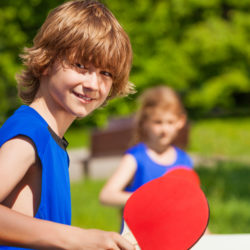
111	240
94	239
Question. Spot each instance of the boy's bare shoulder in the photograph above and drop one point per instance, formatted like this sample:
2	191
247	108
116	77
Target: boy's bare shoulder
19	146
16	156
19	150
25	127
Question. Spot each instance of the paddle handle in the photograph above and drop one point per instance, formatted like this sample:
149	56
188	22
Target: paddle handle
127	234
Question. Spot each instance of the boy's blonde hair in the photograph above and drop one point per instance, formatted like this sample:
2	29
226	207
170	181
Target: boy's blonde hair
156	99
78	32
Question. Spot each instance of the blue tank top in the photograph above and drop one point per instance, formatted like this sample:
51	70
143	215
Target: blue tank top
148	170
55	201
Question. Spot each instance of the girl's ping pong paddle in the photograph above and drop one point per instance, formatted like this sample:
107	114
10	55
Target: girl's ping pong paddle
186	173
169	212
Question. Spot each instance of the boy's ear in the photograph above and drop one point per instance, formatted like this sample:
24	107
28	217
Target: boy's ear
45	71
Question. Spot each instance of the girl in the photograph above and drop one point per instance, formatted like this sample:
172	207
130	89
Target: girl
159	119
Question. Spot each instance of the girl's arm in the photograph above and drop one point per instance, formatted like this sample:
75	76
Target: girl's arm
113	192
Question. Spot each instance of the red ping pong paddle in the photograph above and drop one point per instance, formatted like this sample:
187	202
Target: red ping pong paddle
166	213
184	172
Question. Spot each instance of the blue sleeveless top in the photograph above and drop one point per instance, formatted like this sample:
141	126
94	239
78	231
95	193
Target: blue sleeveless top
148	170
55	201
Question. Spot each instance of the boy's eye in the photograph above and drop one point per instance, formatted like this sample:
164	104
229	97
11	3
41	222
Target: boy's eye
80	66
108	74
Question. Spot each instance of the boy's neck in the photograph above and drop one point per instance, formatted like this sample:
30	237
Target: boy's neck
56	119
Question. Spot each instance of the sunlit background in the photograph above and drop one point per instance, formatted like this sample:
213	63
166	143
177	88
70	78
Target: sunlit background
199	47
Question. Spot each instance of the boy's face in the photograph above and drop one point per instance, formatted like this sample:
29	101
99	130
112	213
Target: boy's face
162	127
78	89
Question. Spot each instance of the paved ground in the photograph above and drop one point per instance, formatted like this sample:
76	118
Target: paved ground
223	242
77	157
102	167
99	168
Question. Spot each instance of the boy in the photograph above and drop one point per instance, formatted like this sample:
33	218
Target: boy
80	58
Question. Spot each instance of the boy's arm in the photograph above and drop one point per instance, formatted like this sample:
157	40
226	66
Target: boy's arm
113	192
20	230
17	229
16	157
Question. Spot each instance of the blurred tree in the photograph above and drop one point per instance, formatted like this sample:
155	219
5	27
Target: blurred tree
19	22
200	47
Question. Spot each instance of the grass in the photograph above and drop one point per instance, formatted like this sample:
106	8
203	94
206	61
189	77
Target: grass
226	185
229	137
87	212
227	188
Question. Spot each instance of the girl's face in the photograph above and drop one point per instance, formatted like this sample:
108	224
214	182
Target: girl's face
161	128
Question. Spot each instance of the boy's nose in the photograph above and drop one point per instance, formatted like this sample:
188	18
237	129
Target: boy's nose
92	81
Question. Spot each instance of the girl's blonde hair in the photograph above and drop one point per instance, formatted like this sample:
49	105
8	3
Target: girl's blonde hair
160	98
78	32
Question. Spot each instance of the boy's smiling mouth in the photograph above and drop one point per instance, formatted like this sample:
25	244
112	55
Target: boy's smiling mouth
83	97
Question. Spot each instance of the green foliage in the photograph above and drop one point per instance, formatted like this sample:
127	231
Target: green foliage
19	23
227	189
77	137
199	47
